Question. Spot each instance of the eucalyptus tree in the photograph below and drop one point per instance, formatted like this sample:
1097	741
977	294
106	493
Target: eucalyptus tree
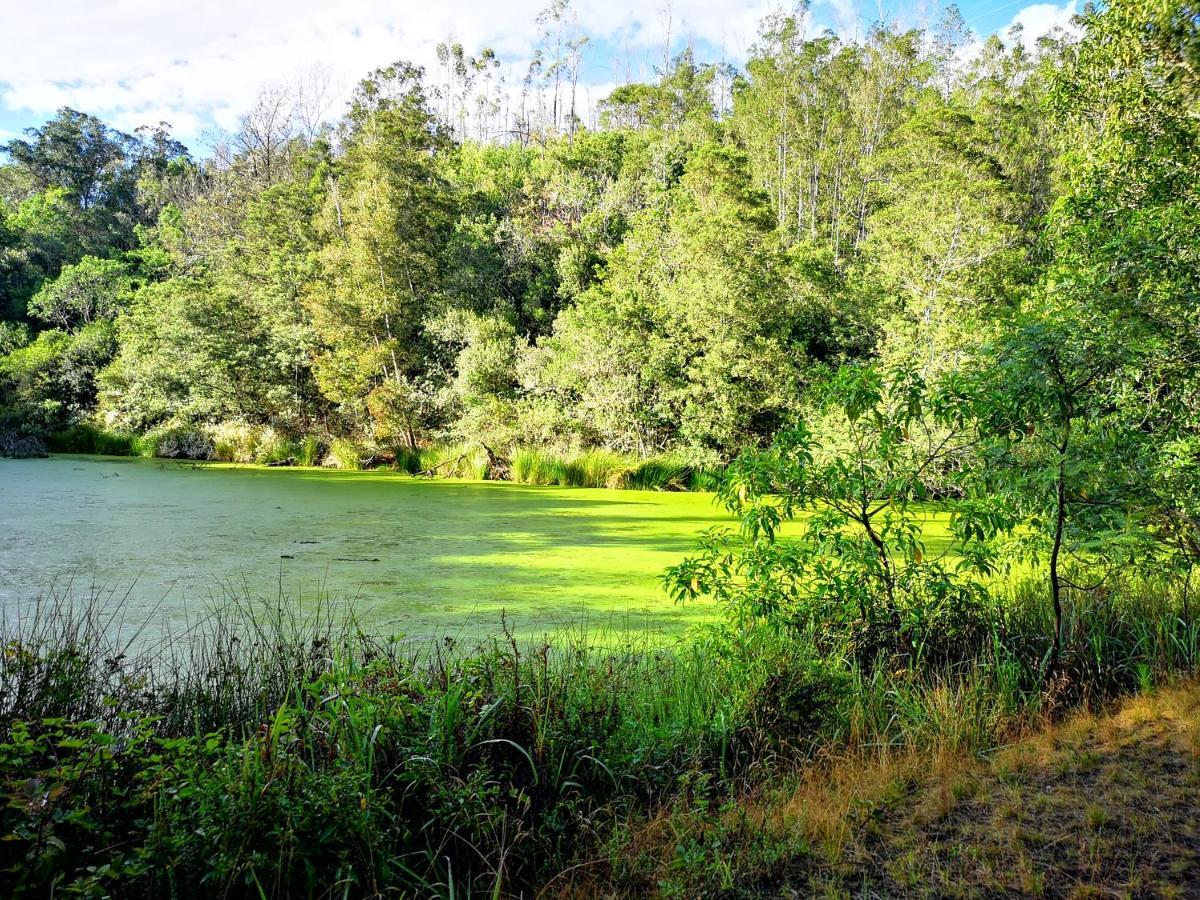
814	113
943	246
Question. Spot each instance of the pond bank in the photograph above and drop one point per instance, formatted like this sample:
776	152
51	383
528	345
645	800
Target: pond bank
264	446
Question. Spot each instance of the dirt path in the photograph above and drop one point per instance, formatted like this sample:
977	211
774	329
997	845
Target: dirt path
1097	807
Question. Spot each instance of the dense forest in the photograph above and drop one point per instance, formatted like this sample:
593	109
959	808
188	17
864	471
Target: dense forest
922	312
459	260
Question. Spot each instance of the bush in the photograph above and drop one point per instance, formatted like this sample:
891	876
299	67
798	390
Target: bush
16	445
238	442
605	469
344	454
180	443
407	460
288	754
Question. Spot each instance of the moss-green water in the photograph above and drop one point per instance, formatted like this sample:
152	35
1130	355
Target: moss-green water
415	556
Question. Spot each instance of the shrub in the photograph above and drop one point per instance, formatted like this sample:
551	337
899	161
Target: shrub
593	468
87	438
343	454
237	442
468	461
180	443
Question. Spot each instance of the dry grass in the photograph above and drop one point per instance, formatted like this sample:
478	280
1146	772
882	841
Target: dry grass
1096	806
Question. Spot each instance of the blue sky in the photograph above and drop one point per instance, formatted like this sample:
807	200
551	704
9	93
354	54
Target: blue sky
199	66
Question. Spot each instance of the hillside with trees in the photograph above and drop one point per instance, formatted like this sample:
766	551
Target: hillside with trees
435	266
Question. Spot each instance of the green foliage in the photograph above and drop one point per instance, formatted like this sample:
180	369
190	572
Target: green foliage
666	285
383	225
345	454
686	339
53	380
91	290
1126	230
13	336
858	572
235	767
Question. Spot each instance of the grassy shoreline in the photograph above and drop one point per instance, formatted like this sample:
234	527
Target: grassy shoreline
280	754
249	445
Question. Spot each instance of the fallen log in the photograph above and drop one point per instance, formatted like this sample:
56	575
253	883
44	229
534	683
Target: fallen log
432	470
499	468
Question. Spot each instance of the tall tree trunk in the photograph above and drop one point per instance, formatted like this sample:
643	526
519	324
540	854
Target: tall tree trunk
1060	520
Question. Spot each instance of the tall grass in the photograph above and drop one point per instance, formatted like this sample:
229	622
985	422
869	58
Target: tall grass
674	472
230	442
242	443
278	749
85	438
605	469
346	454
273	737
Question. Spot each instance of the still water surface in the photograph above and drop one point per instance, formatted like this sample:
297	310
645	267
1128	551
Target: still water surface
412	556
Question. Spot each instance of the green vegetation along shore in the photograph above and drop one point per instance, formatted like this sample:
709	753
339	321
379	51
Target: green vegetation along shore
277	754
263	446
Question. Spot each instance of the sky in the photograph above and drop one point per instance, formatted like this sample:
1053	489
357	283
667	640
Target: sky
200	65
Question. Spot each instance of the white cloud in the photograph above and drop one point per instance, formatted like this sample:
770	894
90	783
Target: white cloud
144	61
1034	22
1029	25
139	61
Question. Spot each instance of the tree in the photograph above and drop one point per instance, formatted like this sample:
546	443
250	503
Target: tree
942	243
384	226
52	381
79	154
1059	448
682	95
687	339
814	115
190	352
91	290
1127	229
854	567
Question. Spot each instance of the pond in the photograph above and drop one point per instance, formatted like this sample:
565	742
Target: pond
416	557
